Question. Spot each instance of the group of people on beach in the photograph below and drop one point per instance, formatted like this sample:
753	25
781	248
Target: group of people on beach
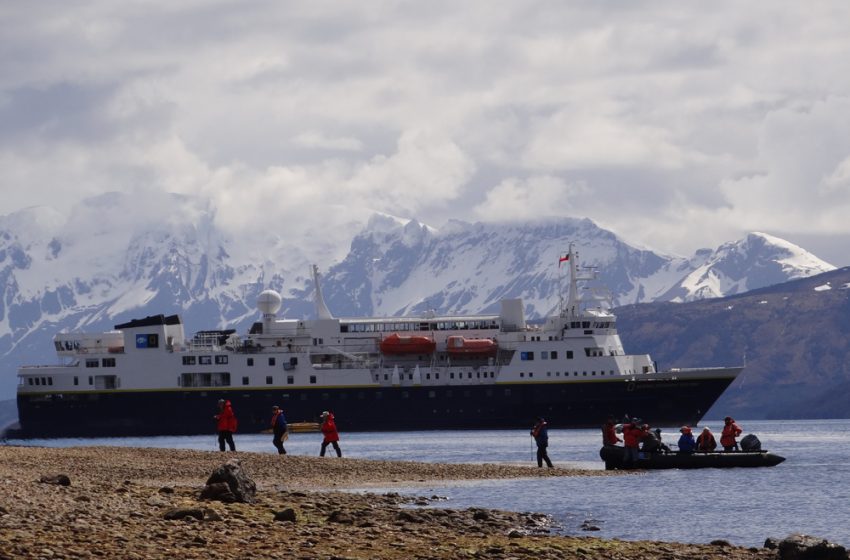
639	438
226	426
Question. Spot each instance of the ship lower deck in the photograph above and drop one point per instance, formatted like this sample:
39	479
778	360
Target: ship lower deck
119	413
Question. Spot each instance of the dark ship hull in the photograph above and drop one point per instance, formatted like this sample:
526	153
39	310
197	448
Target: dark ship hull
117	413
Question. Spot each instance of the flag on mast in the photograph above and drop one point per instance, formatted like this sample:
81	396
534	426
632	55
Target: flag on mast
563	258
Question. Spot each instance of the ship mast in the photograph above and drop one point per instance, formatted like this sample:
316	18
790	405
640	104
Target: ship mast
574	301
322	311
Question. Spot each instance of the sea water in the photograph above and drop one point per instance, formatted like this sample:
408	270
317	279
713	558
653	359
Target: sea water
807	493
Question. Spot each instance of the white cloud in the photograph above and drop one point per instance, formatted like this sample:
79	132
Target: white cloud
677	127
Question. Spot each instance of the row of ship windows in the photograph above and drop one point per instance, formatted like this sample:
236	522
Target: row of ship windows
378	395
48	381
478	375
424	326
567	374
105	362
223	360
553	354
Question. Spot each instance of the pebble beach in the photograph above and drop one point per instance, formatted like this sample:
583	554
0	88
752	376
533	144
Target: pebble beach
121	503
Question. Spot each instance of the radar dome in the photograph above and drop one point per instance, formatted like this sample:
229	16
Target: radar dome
268	302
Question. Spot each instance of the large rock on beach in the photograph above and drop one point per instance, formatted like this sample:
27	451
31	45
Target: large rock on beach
230	483
805	547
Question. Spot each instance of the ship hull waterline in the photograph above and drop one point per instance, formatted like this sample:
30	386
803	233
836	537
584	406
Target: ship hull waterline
123	413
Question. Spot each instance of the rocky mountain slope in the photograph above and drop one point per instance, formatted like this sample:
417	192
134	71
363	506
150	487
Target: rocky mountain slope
793	337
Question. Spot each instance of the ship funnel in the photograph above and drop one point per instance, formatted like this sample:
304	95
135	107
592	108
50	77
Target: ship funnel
322	311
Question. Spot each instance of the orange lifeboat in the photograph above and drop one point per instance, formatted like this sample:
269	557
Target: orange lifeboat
396	344
458	345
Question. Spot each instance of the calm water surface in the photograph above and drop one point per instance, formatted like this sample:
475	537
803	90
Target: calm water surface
807	493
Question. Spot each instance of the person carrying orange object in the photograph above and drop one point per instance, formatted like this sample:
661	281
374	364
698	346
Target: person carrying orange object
731	431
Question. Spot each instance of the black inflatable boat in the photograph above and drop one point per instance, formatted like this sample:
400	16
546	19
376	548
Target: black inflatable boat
613	457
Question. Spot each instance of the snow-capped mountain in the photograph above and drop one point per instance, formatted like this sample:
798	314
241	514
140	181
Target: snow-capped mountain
104	265
397	268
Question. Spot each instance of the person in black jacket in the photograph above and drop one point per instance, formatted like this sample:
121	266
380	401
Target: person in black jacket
279	429
541	437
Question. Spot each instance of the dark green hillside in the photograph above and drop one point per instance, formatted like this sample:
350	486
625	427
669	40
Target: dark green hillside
795	341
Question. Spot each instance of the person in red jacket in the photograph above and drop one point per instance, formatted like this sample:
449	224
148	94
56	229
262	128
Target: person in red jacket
706	441
609	432
728	437
331	434
225	423
632	434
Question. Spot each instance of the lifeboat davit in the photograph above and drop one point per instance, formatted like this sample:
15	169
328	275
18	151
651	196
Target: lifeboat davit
458	345
396	344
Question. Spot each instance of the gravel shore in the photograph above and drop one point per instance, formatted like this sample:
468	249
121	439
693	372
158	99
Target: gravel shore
118	499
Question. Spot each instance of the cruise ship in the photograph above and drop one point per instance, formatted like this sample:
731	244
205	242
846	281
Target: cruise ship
147	377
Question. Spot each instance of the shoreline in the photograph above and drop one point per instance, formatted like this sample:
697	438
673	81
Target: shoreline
117	499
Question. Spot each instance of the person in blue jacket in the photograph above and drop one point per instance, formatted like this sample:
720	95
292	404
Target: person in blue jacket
687	443
541	437
279	429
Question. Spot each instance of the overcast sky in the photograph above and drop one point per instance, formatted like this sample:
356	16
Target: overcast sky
676	125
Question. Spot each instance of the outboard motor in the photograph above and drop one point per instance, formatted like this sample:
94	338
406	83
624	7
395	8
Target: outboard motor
750	443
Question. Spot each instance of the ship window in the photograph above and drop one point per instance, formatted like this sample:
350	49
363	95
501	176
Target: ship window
569	354
554	354
76	380
386	377
557	374
343	328
436	376
432	394
544	355
108	362
221	359
470	375
452	375
427	376
531	374
30	381
527	356
188	360
205	360
92	363
548	374
313	379
37	381
592	373
522	374
410	377
250	361
91	380
290	380
245	381
507	392
269	380
271	361
584	373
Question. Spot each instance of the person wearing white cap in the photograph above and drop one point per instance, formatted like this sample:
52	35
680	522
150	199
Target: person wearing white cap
331	434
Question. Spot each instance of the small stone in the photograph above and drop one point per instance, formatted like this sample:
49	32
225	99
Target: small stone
211	515
337	516
481	515
287	514
720	542
166	490
183	513
58	479
515	534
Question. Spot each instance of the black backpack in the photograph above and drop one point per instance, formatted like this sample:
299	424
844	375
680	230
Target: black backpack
750	443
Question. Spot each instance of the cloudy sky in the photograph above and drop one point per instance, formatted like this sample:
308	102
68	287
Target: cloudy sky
676	125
